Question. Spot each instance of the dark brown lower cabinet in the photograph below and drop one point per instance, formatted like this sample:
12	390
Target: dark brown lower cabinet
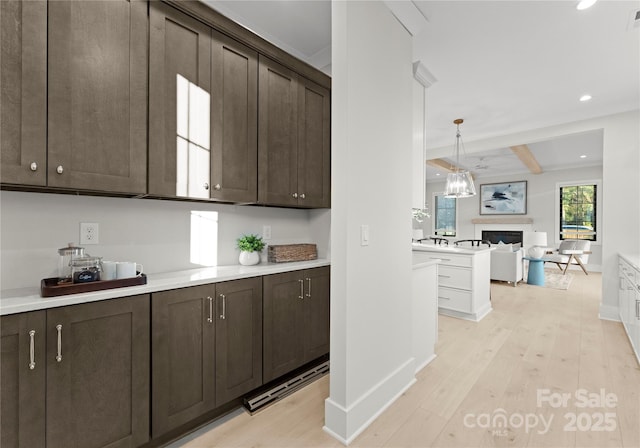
77	375
22	380
296	320
238	338
206	346
98	374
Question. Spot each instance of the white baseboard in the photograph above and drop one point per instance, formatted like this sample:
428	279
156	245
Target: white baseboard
345	424
426	363
609	312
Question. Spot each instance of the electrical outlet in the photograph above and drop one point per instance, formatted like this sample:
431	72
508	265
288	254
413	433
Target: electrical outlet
266	233
89	233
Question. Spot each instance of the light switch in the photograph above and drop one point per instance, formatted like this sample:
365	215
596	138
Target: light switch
364	235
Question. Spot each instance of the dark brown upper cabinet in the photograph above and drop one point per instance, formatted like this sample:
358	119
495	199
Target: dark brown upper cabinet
234	121
203	111
97	97
293	139
179	104
23	92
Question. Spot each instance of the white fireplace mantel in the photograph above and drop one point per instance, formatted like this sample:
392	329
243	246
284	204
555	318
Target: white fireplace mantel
512	220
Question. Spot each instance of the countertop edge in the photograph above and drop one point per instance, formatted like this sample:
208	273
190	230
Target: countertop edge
450	249
29	299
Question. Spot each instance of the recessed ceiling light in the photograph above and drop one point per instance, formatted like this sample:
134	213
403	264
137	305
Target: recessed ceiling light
437	174
584	98
583	156
584	4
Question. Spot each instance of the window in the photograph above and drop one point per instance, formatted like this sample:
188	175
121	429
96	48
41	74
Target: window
444	223
578	211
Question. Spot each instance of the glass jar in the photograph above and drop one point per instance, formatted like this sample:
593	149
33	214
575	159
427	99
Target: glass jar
66	254
85	269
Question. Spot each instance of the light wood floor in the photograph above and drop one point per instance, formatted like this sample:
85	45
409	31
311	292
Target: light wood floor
535	338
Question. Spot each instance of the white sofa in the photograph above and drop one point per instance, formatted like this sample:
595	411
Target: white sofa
506	263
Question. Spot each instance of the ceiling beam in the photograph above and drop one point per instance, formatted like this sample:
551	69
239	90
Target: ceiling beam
442	165
527	158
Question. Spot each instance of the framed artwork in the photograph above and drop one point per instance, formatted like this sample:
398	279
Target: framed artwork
505	198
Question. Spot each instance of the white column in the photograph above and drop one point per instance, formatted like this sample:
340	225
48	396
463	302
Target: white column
371	337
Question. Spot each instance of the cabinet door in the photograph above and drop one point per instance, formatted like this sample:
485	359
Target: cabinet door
234	120
23	91
179	103
316	318
277	134
22	380
314	145
182	344
98	374
238	338
283	306
97	109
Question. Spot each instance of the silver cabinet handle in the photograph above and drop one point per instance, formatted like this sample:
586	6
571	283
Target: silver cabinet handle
32	349
444	298
206	186
638	309
59	169
217	187
59	356
33	166
295	195
301	296
309	285
210	318
444	276
223	316
302	196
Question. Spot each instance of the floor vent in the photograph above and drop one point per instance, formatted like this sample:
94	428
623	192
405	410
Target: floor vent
270	396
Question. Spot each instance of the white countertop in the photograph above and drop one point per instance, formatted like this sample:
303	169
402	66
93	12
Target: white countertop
29	299
451	249
633	260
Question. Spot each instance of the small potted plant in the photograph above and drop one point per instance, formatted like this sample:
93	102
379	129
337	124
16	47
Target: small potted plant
250	247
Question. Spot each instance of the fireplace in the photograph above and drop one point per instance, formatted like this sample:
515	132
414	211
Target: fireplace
506	236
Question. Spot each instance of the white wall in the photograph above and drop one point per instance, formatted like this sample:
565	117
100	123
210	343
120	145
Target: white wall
541	204
620	185
152	232
371	359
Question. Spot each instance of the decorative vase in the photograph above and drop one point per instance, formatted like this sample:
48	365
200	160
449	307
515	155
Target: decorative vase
536	252
249	258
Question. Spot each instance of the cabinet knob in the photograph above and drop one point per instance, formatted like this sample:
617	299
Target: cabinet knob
217	187
302	196
206	186
59	169
33	166
295	195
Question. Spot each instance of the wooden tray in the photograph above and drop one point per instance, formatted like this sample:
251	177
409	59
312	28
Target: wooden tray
49	286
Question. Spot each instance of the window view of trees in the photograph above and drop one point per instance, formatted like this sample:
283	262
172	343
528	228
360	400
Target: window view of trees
445	216
578	212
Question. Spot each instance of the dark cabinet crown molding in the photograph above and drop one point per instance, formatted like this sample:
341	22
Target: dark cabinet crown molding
204	13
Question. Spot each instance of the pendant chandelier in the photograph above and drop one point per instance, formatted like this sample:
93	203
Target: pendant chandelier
459	183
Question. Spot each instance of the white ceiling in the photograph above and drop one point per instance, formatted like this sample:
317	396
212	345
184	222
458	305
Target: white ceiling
503	66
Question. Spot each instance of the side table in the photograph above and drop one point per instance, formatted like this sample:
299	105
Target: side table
535	275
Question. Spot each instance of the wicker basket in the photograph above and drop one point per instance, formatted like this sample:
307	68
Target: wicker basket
292	252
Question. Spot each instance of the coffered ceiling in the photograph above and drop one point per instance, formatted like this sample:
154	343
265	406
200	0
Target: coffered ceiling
504	66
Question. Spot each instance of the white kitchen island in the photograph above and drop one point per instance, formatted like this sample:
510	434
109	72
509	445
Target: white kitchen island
464	285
